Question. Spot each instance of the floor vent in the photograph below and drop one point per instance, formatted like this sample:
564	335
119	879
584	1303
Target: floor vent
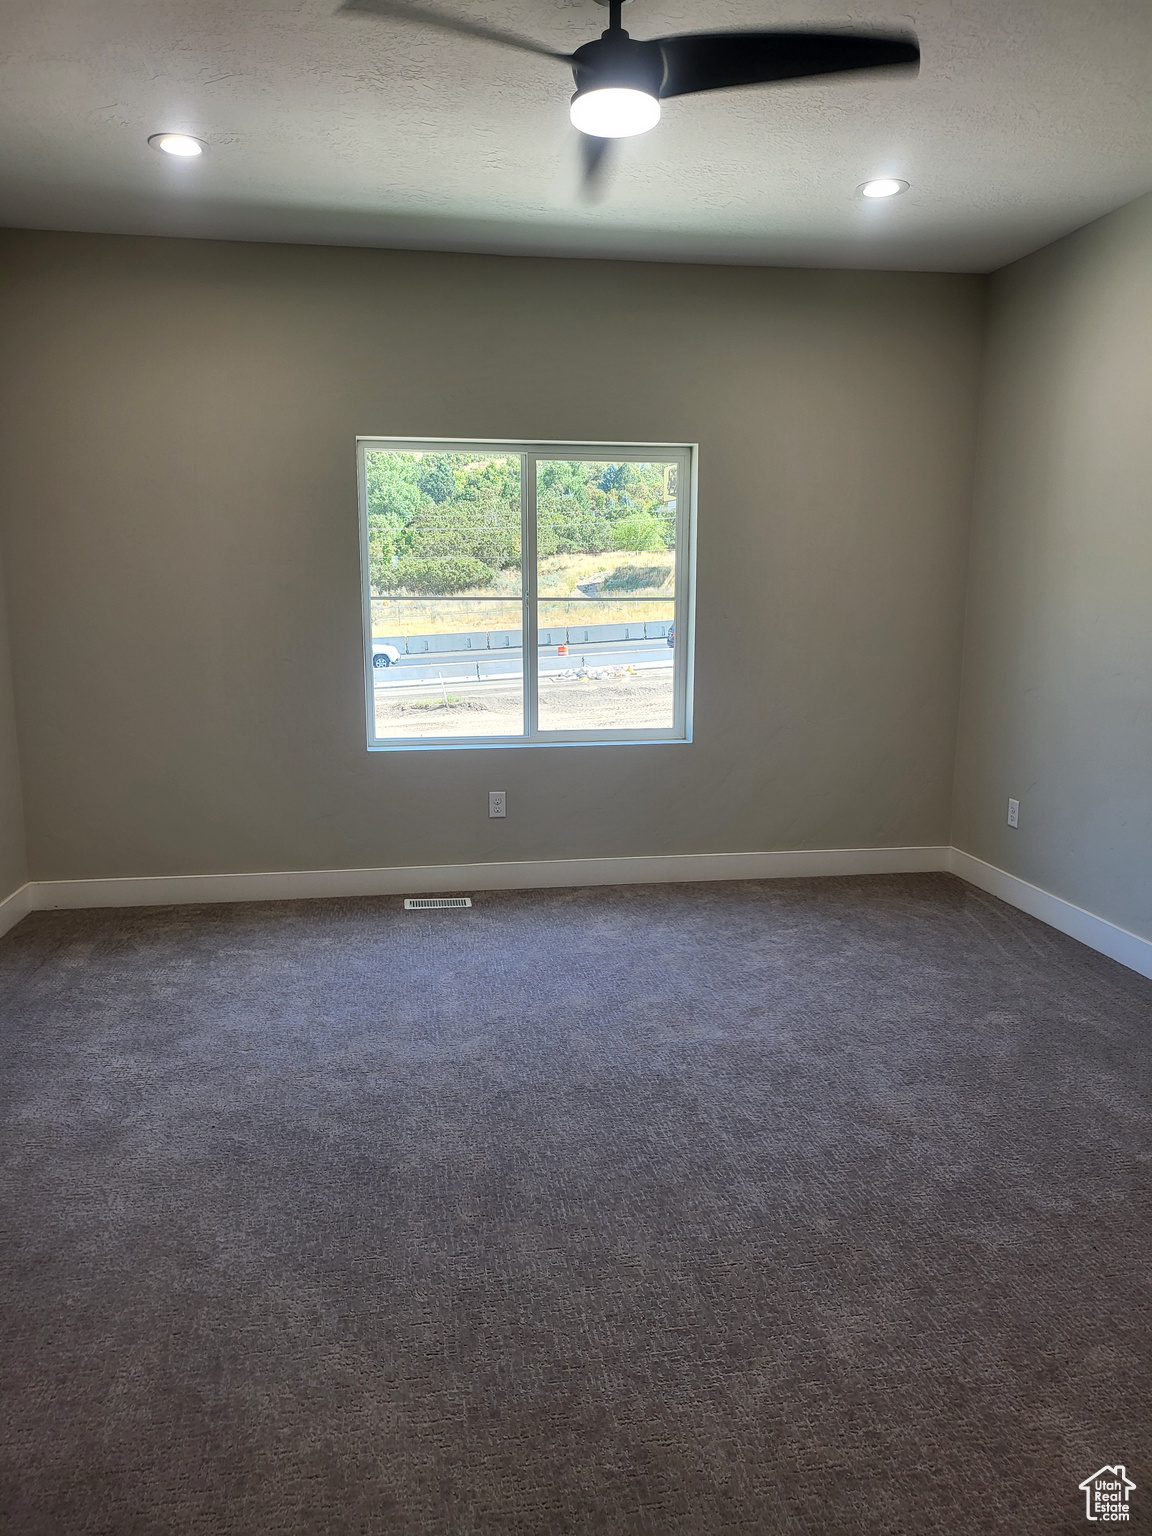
422	903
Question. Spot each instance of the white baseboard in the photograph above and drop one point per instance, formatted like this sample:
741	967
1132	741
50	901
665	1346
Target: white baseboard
528	874
16	906
1117	943
536	874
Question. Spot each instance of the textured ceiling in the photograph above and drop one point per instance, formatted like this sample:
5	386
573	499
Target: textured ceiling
1029	117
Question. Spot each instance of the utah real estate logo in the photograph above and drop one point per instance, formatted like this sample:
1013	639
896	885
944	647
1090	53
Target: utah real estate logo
1106	1494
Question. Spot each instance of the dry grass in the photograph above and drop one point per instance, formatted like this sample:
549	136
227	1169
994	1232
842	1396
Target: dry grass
499	608
560	573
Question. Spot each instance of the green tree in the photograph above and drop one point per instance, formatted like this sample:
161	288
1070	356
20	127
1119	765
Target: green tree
640	533
490	480
571	508
394	498
485	530
393	486
435	477
381	551
617	478
572	481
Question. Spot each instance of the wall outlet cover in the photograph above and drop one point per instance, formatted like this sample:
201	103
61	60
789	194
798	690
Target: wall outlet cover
497	802
1013	813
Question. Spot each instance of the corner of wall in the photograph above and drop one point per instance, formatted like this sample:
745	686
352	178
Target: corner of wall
1055	692
975	440
13	840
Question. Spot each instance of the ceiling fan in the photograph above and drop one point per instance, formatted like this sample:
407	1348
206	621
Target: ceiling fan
621	81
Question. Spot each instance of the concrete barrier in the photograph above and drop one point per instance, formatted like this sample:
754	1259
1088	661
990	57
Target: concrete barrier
476	641
585	634
511	639
420	645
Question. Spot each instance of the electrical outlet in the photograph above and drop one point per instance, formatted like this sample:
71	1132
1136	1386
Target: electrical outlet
1013	813
497	802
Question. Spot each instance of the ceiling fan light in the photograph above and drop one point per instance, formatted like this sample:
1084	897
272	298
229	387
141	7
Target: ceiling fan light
615	112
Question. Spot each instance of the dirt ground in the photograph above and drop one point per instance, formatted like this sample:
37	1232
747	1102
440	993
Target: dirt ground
642	702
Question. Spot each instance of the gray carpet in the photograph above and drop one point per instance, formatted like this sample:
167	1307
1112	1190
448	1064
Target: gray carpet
815	1207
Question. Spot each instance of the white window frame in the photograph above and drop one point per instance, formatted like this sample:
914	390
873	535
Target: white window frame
683	455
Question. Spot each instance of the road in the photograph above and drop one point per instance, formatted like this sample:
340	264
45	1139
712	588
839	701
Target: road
461	666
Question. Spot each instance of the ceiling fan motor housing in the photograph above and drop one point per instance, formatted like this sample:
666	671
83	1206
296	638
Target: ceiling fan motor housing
616	60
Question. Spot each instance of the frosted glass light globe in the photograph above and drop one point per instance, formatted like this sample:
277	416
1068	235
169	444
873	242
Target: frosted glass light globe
615	112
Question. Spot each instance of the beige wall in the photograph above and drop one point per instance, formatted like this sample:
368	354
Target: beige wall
13	864
1057	705
179	501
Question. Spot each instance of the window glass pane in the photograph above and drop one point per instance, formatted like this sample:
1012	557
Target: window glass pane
441	537
605	530
442	668
606	667
442	524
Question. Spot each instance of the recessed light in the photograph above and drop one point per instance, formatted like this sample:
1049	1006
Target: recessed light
883	186
180	144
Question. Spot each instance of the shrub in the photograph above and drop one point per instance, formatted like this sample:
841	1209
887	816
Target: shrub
640	533
437	577
570	531
636	578
488	531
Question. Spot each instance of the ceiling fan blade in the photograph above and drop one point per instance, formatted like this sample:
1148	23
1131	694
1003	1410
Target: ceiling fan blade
403	10
595	159
711	61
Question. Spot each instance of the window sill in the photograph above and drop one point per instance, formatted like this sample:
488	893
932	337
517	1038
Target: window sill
518	746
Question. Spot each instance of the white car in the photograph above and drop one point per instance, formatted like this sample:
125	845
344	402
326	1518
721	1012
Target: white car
384	655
